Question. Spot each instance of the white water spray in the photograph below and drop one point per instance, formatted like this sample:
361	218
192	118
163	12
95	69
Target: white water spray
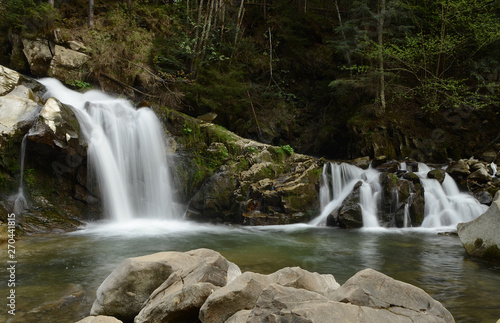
20	203
445	205
338	181
126	152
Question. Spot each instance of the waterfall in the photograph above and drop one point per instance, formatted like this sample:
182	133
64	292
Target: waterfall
493	168
126	153
20	203
444	204
338	181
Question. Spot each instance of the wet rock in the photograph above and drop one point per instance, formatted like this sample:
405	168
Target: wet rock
481	175
361	162
480	237
389	167
438	174
350	214
484	197
458	169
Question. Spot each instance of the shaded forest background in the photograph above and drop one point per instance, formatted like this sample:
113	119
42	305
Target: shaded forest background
340	79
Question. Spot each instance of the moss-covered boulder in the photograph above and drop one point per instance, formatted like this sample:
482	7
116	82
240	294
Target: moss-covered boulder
227	178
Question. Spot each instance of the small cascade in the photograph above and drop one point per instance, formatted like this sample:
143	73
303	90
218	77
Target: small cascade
20	203
126	153
445	205
493	168
338	181
406	215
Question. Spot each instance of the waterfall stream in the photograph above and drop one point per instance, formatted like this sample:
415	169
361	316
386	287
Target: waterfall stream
126	153
445	205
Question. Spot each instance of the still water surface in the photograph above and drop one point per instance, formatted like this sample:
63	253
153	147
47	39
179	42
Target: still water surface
57	275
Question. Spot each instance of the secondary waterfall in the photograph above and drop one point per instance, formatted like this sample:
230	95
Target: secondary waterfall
445	205
338	180
126	153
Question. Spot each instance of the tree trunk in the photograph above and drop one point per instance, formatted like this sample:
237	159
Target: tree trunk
346	52
51	3
91	13
381	56
239	21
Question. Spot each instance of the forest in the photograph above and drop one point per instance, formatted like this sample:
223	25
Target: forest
329	78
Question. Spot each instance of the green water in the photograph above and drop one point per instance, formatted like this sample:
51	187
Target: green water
57	275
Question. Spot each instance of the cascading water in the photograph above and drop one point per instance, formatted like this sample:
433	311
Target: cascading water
20	203
126	153
445	205
338	180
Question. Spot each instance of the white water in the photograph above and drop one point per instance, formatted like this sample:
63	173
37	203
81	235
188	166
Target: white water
445	205
126	153
20	203
493	168
338	180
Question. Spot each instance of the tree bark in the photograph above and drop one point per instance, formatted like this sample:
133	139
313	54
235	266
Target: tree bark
381	56
91	14
51	3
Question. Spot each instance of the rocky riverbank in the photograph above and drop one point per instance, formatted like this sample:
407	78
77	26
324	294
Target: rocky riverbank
202	286
220	176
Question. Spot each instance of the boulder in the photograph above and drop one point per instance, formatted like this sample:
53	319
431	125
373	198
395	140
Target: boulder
67	64
458	169
481	175
243	292
181	296
350	214
373	289
8	80
239	317
39	55
285	304
100	319
438	174
480	237
125	291
297	277
19	108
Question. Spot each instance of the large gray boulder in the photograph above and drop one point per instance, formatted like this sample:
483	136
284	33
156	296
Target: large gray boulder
125	291
181	296
285	304
481	237
244	291
39	55
67	64
100	319
369	288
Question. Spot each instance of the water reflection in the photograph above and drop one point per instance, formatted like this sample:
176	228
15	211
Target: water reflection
58	274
